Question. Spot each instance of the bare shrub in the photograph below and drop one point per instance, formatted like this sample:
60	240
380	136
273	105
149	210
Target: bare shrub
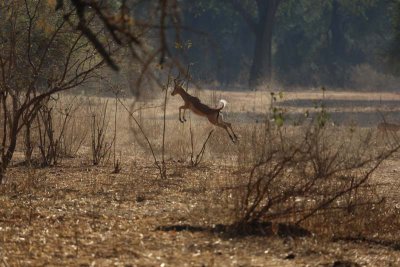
58	131
308	172
116	162
99	122
29	145
48	142
196	159
46	56
70	118
387	133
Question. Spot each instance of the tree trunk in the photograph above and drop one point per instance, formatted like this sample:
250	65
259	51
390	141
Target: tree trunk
28	144
337	46
261	68
6	158
13	125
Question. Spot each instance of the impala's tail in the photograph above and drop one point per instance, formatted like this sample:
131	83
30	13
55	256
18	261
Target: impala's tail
224	103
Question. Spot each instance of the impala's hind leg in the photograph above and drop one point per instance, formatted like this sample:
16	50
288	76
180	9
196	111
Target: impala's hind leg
229	125
223	125
226	125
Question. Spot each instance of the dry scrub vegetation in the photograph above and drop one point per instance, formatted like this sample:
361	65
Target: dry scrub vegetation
89	187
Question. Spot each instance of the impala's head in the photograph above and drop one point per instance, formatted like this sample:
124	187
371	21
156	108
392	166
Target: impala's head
177	86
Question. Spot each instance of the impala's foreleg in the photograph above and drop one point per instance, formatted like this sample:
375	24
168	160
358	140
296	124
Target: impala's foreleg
183	117
184	107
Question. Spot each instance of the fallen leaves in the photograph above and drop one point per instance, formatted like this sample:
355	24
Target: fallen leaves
85	218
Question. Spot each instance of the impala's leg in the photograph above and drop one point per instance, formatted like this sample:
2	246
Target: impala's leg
180	110
183	117
226	125
230	127
223	125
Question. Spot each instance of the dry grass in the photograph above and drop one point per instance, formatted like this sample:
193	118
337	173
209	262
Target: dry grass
79	215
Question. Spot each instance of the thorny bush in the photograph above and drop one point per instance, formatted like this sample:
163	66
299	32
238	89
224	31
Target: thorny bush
299	173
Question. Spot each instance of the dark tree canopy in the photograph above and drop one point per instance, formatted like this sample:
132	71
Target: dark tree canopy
311	42
250	42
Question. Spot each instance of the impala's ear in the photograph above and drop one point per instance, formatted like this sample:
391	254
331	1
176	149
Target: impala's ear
176	80
177	83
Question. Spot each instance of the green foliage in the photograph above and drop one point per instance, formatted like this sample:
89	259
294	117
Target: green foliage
183	45
278	113
280	116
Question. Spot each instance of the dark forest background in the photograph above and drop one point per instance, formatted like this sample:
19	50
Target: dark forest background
337	43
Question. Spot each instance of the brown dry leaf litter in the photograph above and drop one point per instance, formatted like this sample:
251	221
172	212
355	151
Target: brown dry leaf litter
84	216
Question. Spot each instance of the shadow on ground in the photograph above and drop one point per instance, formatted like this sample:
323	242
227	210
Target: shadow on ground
251	229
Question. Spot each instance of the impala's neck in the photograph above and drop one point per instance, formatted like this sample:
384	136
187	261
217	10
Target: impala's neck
180	91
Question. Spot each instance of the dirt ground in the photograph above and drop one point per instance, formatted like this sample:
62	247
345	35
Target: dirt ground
80	215
77	214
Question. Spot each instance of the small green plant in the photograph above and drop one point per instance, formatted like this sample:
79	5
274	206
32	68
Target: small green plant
278	113
323	116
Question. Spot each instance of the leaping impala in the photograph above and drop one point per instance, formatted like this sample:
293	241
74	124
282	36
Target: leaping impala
194	104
